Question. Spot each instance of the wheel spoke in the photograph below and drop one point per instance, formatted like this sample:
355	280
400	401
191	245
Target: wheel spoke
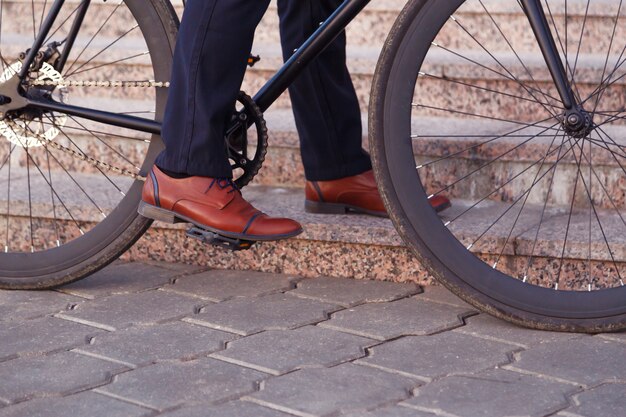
116	151
84	64
569	217
480	116
105	22
446	188
606	241
98	168
472	61
501	65
7	241
43	13
527	192
79	71
54	209
75	181
563	48
612	153
32	3
517	56
489	90
608	54
477	145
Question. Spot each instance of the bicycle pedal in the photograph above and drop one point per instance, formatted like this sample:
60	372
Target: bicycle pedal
218	240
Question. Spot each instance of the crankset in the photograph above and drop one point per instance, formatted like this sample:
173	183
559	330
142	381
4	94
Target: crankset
215	239
246	123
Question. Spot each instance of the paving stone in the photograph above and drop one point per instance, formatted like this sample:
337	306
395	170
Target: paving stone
39	336
231	409
120	311
62	373
146	344
281	351
588	360
82	404
351	292
489	327
494	393
618	337
171	384
428	357
604	401
20	305
120	278
220	286
322	391
440	294
179	267
411	316
271	312
397	411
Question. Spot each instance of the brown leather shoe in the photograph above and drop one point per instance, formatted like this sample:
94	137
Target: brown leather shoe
212	204
358	193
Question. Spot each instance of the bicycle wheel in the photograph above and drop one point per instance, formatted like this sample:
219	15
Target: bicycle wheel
463	105
70	187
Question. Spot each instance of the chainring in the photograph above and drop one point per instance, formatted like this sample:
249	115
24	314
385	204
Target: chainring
245	168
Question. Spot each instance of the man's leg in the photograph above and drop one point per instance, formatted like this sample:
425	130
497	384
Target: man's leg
210	61
325	104
191	182
328	118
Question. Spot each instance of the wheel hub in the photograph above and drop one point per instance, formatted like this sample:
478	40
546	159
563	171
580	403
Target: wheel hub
28	128
578	123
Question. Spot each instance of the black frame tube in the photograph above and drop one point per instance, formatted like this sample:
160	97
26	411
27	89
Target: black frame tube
539	23
73	34
113	119
315	45
41	37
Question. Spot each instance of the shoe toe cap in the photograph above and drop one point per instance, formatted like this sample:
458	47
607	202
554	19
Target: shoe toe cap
274	226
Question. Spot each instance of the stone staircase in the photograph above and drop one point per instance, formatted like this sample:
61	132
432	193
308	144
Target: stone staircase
364	247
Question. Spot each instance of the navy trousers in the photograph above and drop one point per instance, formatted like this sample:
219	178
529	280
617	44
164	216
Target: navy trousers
214	43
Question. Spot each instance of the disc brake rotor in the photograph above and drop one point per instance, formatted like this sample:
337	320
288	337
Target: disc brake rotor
29	131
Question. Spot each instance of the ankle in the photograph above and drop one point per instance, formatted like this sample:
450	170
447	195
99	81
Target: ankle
173	174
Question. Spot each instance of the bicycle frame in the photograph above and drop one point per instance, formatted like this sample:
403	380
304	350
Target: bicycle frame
279	83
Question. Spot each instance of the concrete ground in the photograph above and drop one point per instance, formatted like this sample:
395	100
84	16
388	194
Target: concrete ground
176	341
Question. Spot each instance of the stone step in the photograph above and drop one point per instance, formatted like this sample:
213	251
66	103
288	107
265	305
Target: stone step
350	246
446	77
365	247
372	26
441	136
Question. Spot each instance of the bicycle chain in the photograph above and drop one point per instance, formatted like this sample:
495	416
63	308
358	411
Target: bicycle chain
104	84
81	156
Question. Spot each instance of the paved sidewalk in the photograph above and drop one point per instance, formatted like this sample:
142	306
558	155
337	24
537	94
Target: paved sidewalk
177	341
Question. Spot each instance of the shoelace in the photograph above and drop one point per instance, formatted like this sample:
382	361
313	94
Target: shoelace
224	183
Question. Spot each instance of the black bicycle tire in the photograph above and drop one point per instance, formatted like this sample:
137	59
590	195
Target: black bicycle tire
90	258
416	25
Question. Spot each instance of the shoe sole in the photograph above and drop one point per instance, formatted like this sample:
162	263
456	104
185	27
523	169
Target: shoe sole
335	208
167	216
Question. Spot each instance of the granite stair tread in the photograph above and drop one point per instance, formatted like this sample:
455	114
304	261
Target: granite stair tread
351	228
367	247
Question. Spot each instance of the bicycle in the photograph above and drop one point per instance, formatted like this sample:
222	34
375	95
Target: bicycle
526	143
